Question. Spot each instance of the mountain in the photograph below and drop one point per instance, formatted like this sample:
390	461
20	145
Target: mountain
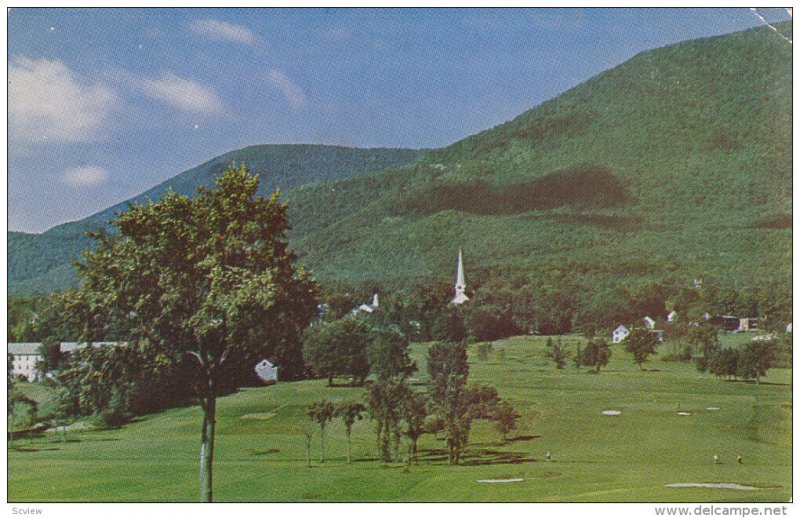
671	166
674	165
41	263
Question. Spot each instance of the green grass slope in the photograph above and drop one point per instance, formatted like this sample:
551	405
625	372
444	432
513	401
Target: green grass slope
40	263
260	449
677	162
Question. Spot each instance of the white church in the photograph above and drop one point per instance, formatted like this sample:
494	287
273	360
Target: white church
461	284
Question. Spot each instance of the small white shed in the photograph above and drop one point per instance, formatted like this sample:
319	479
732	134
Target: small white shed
649	323
267	372
672	317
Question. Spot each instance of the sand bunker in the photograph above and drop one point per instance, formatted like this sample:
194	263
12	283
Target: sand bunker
259	417
500	480
684	413
71	428
712	408
611	412
738	487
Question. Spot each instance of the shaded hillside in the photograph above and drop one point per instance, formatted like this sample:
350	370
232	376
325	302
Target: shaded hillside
40	263
688	154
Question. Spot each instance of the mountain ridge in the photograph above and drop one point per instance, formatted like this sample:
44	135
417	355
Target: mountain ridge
694	137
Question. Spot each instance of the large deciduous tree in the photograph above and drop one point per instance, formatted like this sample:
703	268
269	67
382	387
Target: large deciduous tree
338	348
209	280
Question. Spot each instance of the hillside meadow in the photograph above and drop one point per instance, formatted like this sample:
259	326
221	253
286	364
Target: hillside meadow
630	457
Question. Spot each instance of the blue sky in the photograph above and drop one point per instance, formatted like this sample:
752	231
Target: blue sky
104	104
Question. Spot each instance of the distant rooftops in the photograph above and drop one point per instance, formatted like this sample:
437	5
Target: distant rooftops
23	348
31	348
68	347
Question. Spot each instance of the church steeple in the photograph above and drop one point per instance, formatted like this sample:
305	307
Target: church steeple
461	284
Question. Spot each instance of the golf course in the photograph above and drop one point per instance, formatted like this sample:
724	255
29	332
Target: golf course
662	426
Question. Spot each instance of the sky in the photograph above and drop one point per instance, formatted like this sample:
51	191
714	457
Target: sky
105	103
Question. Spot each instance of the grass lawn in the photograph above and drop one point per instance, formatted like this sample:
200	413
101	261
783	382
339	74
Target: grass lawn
260	449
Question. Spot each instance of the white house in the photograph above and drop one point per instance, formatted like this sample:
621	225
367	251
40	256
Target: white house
788	328
649	323
461	284
267	372
619	334
673	316
25	357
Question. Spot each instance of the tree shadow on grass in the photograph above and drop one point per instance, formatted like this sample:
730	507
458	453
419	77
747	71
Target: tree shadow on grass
32	449
264	452
477	457
753	382
523	438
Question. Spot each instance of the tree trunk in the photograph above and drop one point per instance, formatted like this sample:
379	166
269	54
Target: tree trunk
11	427
396	442
322	444
349	458
207	449
450	451
380	436
330	380
308	452
386	442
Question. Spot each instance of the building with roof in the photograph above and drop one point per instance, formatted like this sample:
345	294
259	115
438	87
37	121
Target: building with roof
267	372
620	334
25	356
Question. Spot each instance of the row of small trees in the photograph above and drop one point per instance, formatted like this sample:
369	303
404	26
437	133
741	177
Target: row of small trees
597	351
751	362
399	412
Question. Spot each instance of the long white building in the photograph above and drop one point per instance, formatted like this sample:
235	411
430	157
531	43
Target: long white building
26	356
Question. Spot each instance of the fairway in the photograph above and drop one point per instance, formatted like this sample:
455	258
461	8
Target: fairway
629	457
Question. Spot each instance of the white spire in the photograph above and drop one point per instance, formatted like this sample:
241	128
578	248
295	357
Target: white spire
461	284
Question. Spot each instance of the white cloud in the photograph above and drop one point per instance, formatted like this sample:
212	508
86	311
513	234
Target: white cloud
85	176
183	94
224	31
293	93
47	103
